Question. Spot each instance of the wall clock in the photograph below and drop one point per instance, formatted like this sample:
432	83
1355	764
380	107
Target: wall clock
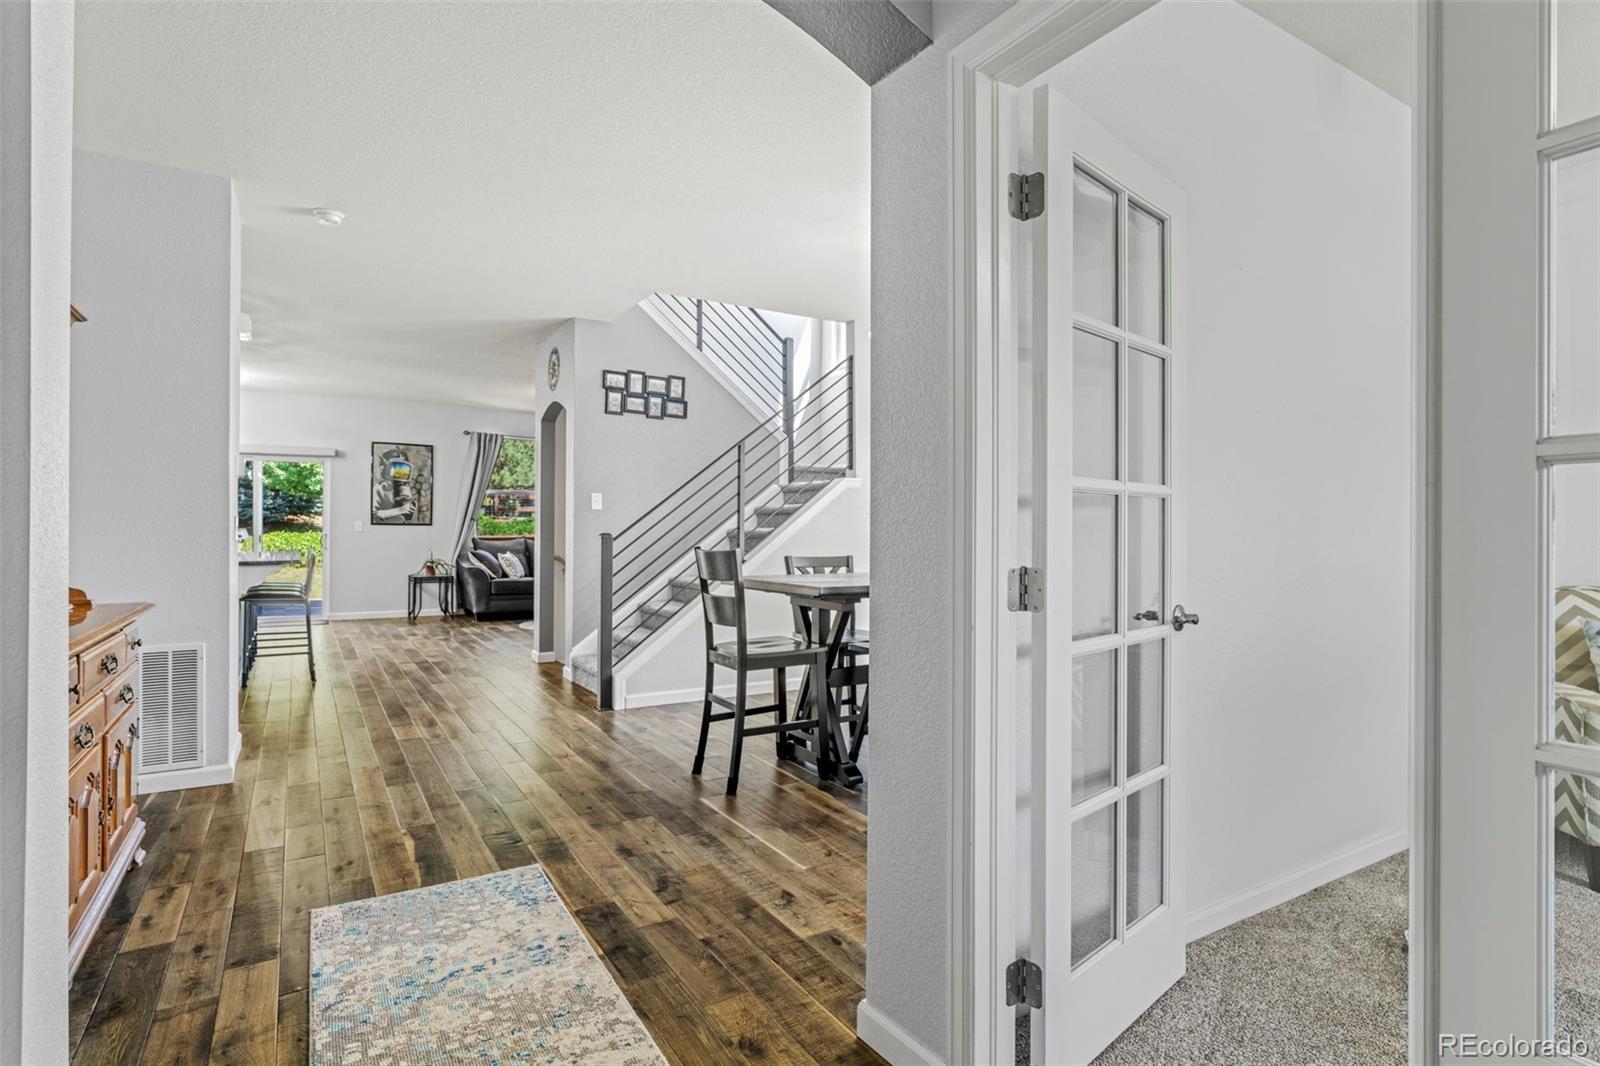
554	368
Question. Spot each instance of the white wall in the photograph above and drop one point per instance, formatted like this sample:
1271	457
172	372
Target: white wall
35	282
1299	416
908	847
155	372
367	567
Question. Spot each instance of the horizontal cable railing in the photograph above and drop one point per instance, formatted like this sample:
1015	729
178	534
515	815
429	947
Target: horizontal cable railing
735	500
741	344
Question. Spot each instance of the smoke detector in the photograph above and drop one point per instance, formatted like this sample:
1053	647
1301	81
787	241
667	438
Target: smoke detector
327	216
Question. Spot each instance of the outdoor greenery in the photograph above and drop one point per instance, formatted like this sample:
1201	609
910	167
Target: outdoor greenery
504	527
516	466
286	540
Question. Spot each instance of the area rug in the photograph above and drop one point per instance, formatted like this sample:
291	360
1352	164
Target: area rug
487	970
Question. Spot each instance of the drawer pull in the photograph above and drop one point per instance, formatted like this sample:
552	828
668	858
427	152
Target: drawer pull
74	690
133	729
126	695
84	736
110	663
136	642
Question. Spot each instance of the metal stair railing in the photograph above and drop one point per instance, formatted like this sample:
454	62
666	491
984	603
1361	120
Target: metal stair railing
745	494
738	341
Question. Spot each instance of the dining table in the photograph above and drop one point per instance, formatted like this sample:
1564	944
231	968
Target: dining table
828	602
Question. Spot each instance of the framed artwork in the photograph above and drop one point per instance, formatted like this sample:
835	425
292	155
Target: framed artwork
677	408
614	401
655	407
655	385
614	379
633	404
636	382
402	484
675	387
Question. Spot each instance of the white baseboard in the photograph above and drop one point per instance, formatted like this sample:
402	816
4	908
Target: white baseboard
356	616
896	1045
195	777
544	656
1237	908
566	672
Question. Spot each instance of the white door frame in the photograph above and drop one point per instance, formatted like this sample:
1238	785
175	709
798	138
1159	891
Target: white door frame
1018	45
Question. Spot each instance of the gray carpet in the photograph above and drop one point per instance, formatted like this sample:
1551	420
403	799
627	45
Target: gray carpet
1577	946
1320	979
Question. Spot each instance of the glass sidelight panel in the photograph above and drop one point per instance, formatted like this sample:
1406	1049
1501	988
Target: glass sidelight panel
1576	901
1575	40
1094	564
1574	311
1094	248
1094	882
1575	603
1146	274
1147	409
1094	724
1147	558
1094	406
1146	706
1146	850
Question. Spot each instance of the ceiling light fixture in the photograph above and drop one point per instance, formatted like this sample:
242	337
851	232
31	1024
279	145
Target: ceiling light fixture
244	326
327	216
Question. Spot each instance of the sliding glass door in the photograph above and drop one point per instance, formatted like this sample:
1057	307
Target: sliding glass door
281	515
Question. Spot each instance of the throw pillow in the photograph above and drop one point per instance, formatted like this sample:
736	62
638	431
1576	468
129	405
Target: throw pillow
511	565
488	561
1591	634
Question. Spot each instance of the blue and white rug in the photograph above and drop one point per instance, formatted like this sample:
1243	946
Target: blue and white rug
487	970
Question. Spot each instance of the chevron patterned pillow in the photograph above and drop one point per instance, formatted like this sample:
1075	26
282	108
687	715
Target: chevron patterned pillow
1591	634
1576	605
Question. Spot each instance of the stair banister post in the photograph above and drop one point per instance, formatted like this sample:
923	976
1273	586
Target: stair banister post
738	496
604	666
788	403
700	325
850	413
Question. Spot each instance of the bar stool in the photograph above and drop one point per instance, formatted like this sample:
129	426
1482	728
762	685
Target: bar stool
744	655
276	640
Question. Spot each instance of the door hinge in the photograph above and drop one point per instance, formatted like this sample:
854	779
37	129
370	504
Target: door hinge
1025	589
1025	984
1025	195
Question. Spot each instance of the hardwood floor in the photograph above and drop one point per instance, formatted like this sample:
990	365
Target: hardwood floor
428	753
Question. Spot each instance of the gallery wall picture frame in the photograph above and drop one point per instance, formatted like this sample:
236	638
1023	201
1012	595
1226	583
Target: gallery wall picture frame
676	408
636	382
655	407
614	401
676	387
633	404
655	385
614	379
402	484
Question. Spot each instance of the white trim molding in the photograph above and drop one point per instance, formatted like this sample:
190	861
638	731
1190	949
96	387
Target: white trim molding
1208	920
195	777
896	1045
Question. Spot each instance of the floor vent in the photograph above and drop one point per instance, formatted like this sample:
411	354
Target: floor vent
172	706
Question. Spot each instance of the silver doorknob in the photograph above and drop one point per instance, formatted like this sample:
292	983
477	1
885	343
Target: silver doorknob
1181	618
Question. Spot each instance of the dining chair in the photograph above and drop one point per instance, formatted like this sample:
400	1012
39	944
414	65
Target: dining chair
277	640
724	608
852	672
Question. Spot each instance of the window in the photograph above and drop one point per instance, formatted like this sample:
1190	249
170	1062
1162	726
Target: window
508	507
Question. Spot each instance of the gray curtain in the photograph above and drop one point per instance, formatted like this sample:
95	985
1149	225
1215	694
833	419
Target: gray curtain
483	450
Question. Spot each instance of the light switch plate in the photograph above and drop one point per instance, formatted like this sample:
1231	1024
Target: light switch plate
594	501
360	525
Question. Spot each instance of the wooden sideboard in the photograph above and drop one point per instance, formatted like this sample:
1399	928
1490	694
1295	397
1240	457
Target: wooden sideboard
103	824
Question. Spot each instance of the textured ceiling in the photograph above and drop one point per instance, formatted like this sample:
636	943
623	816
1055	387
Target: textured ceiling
1371	37
502	166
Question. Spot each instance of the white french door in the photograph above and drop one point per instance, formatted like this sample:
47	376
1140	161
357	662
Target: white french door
1517	533
1101	355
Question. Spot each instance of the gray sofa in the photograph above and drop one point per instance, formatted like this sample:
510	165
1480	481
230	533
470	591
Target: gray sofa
484	594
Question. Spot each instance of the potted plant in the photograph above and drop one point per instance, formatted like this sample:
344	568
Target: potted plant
435	565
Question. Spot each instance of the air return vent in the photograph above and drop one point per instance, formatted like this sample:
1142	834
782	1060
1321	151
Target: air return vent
172	705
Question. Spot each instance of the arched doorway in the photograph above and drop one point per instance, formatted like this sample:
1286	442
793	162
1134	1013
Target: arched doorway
551	536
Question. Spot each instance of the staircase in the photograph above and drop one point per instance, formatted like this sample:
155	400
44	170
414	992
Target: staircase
739	344
753	489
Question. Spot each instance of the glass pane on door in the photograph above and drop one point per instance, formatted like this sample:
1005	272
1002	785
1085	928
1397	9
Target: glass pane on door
1094	405
244	533
1094	724
1147	418
1146	274
1094	882
1146	705
1094	564
1147	559
1577	909
1575	33
1574	282
1575	599
1094	248
1146	850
